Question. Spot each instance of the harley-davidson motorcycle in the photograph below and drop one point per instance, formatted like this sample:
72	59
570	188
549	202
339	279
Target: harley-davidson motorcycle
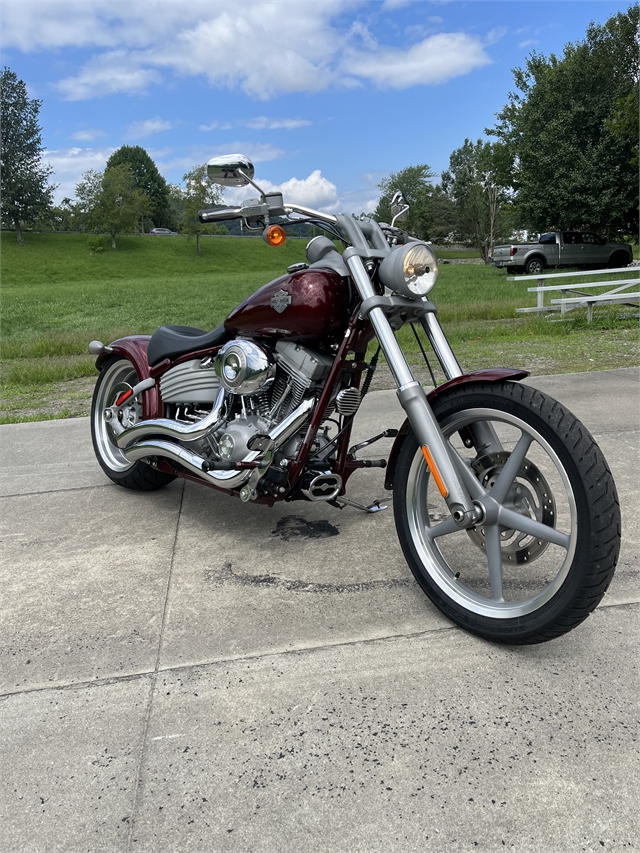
504	505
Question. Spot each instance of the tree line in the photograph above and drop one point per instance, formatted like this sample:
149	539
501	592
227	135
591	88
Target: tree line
563	154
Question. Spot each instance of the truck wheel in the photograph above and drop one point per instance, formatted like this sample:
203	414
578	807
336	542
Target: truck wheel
534	266
618	259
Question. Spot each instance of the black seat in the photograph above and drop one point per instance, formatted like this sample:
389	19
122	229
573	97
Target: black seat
172	341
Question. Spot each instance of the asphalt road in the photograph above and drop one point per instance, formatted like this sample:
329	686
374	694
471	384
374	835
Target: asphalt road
184	672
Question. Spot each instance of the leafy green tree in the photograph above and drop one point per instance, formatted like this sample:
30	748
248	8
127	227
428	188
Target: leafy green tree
26	192
198	193
147	179
415	184
111	201
476	183
572	152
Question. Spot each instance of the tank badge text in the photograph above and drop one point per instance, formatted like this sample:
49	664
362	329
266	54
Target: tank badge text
280	301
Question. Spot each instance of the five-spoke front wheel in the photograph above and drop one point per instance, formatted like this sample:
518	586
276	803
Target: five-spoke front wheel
545	550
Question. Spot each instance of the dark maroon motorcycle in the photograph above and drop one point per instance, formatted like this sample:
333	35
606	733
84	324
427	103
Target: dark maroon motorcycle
504	504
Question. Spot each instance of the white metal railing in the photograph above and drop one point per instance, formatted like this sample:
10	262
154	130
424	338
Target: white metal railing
618	293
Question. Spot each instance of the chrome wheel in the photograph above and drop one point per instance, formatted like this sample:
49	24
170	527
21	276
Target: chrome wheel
118	377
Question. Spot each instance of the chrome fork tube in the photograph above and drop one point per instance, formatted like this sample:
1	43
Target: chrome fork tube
441	346
414	401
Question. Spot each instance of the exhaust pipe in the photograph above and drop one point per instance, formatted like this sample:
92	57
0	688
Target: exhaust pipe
198	464
172	429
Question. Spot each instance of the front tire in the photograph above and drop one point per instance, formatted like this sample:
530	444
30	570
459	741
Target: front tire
117	374
496	580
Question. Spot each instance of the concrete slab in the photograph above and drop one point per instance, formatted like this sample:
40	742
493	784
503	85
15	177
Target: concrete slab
274	680
48	456
435	742
69	765
84	576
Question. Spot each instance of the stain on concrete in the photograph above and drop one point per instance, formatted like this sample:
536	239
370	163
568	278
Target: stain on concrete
296	527
226	575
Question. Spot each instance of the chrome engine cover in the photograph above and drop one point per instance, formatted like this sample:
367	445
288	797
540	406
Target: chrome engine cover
244	367
190	382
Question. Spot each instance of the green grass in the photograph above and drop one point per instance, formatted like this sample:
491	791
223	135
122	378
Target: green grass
57	296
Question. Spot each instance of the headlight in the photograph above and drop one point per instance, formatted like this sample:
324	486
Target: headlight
411	270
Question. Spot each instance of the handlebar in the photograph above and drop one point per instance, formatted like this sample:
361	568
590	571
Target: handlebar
218	215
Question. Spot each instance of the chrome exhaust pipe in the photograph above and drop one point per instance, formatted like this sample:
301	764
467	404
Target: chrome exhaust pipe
172	429
198	464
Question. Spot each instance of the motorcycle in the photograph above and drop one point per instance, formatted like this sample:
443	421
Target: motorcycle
504	505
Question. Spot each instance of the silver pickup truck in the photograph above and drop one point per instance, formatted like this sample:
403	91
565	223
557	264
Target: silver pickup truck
562	249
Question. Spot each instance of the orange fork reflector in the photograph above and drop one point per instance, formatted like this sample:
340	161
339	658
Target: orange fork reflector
444	491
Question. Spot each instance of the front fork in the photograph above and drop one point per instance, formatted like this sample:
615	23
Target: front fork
414	400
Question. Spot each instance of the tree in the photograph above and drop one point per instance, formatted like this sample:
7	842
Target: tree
147	179
26	192
111	201
199	193
415	184
476	183
571	147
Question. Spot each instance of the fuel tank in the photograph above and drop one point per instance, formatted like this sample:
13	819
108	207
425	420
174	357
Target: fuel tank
311	303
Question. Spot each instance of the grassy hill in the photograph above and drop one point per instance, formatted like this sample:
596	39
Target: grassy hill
57	295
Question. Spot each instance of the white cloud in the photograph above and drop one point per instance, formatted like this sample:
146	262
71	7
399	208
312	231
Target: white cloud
264	123
314	191
87	135
216	125
434	60
260	46
527	43
108	74
69	165
140	129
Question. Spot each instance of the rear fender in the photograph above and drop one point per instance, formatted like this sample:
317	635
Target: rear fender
498	374
134	348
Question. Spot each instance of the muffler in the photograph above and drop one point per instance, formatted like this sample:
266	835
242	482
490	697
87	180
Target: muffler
172	429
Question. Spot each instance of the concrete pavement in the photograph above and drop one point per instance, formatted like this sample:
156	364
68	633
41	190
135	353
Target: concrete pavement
184	672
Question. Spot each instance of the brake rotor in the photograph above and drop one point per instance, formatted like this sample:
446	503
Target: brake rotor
530	495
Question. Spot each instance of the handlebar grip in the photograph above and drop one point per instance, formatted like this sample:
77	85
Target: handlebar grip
218	215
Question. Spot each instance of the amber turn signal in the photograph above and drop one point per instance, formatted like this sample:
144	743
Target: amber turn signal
274	235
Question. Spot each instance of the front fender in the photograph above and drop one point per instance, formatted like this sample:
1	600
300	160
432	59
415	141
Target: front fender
497	374
134	348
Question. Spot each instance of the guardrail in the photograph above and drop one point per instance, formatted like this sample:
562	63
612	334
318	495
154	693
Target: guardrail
617	295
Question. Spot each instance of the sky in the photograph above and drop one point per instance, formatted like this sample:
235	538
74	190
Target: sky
327	97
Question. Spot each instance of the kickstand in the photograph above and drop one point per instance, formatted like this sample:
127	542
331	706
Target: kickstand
341	502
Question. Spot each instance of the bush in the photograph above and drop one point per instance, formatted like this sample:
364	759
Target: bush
95	244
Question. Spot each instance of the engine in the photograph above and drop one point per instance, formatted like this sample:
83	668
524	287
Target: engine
262	387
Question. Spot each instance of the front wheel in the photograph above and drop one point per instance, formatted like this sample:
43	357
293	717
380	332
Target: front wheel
546	551
117	376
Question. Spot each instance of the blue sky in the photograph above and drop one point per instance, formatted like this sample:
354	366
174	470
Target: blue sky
326	96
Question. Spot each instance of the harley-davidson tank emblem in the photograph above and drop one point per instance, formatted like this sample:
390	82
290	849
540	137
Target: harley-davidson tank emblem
281	301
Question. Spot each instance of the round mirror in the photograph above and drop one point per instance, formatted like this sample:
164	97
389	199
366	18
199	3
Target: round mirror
230	170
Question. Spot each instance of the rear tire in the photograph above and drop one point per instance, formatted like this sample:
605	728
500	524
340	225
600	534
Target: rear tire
535	266
495	580
131	475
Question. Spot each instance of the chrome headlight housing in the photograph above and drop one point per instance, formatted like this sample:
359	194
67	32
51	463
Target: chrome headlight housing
411	270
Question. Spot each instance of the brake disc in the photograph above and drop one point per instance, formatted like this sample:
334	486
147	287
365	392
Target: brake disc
530	495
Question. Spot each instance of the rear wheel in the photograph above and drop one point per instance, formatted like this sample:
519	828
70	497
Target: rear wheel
546	550
117	376
534	266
